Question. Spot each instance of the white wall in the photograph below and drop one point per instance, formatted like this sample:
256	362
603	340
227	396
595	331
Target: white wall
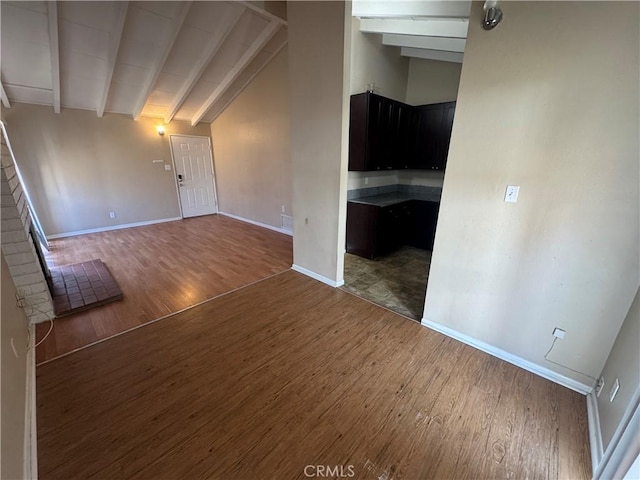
14	380
373	62
78	167
547	104
432	81
623	363
319	36
251	148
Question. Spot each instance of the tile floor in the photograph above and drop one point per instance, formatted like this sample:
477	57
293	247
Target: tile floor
397	281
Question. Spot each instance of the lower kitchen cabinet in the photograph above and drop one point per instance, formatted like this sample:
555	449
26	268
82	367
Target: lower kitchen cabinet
374	231
422	229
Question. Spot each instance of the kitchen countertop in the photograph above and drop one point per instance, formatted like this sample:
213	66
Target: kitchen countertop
387	199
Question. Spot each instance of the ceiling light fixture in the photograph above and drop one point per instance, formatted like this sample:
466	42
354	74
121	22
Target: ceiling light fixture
160	130
492	15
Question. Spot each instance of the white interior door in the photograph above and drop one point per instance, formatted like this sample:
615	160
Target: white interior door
194	174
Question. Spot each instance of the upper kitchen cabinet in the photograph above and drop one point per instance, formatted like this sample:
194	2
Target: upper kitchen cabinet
385	134
378	133
433	126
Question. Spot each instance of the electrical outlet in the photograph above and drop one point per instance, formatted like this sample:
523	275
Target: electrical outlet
600	386
366	180
283	210
167	167
614	390
112	214
559	333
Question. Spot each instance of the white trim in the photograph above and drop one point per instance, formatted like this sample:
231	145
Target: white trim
112	227
30	452
595	433
317	276
259	224
624	445
510	358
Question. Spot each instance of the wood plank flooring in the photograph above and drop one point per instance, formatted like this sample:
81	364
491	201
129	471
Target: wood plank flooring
288	373
162	269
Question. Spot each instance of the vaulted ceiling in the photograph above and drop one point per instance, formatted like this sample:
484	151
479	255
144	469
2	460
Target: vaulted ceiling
170	59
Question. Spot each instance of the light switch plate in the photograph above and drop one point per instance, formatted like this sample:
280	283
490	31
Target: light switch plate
614	390
511	195
167	167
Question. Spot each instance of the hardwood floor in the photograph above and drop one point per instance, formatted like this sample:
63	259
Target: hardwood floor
289	373
162	269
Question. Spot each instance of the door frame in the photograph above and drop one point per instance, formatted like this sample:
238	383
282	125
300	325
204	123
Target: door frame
175	174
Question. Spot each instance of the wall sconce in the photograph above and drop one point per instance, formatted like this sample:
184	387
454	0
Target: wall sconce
492	15
160	130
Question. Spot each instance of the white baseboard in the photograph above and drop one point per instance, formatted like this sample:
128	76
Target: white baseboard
259	224
509	357
595	433
30	452
316	276
112	227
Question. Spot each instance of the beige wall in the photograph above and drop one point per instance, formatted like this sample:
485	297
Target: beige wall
373	62
623	363
319	107
432	81
14	380
79	167
546	104
251	148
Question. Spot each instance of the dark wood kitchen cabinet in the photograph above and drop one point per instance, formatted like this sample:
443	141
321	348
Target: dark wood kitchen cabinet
422	224
378	132
385	134
374	231
433	124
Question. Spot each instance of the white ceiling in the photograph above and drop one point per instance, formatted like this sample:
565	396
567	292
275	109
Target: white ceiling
170	59
430	29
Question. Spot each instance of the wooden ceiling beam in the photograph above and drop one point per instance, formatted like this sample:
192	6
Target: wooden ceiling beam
257	45
3	96
250	79
156	69
451	27
52	17
430	43
233	15
455	57
120	16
